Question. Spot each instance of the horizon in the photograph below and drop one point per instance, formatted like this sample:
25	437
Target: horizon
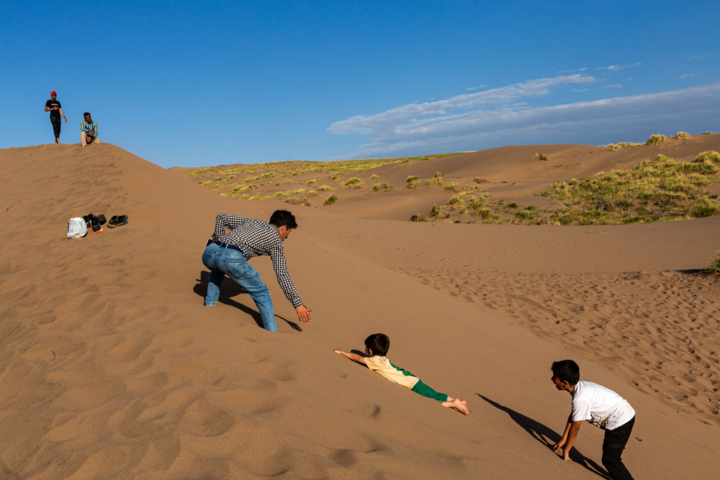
202	85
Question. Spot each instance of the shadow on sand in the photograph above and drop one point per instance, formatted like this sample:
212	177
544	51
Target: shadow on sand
230	289
547	437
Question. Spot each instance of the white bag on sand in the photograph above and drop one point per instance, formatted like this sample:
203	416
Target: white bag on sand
77	228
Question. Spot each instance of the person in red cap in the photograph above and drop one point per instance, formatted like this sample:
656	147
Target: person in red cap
55	109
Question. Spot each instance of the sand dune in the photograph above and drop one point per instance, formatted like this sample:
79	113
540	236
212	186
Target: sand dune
509	173
111	368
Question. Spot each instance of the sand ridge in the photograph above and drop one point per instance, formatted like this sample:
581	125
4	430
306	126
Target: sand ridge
111	368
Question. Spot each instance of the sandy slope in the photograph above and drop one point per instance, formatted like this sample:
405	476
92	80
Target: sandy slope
111	368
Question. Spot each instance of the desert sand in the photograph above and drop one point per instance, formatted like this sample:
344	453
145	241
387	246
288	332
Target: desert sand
110	367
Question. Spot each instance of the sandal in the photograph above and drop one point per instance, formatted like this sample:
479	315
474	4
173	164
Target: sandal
117	221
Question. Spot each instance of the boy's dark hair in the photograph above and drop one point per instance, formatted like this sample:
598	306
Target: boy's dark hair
379	343
283	218
86	114
566	370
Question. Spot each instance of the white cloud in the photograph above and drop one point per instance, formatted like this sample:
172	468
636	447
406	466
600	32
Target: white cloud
617	68
471	88
595	122
686	75
613	85
582	69
698	56
581	90
393	118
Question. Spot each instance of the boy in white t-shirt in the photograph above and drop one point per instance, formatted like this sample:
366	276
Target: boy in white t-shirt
601	407
376	347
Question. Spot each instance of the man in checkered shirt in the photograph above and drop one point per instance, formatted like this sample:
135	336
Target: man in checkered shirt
248	238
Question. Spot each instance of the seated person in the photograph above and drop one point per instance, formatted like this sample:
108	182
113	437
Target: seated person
89	132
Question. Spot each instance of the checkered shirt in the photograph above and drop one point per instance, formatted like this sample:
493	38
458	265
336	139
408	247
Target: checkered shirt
255	238
86	127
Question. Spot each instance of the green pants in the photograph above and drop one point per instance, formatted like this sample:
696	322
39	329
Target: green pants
428	392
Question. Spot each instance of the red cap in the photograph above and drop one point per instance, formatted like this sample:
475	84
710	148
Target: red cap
53	93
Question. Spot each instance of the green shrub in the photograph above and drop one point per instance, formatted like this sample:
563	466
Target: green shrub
706	133
386	187
373	176
330	200
623	145
540	157
482	212
435	181
353	182
700	211
453	187
325	188
512	205
714	267
412	178
435	211
418	218
656	139
682	135
710	155
455	200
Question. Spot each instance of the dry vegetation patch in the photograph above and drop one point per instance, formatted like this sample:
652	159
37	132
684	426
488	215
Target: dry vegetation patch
714	267
354	183
382	187
330	200
217	178
657	190
655	139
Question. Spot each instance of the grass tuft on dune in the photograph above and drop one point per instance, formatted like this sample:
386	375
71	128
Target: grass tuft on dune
714	267
330	200
656	139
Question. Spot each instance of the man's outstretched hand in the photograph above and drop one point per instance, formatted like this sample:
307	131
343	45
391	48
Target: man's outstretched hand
303	313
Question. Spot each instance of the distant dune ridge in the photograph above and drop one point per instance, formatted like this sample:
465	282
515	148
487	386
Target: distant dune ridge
110	367
503	185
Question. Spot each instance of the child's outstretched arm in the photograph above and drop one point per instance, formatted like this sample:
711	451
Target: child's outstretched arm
352	356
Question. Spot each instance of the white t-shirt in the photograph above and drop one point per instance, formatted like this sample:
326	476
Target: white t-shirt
600	406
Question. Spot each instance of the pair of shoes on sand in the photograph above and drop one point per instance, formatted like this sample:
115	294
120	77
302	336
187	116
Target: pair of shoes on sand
118	221
94	223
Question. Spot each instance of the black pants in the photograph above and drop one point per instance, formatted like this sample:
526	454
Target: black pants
615	441
56	126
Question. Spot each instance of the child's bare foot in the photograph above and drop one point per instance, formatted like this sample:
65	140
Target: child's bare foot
457	404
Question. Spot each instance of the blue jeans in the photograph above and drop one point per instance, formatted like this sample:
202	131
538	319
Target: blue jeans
225	261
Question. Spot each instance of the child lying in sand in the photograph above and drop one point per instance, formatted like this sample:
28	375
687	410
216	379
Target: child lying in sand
376	347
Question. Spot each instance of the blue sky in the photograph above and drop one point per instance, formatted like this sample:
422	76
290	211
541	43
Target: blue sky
208	83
